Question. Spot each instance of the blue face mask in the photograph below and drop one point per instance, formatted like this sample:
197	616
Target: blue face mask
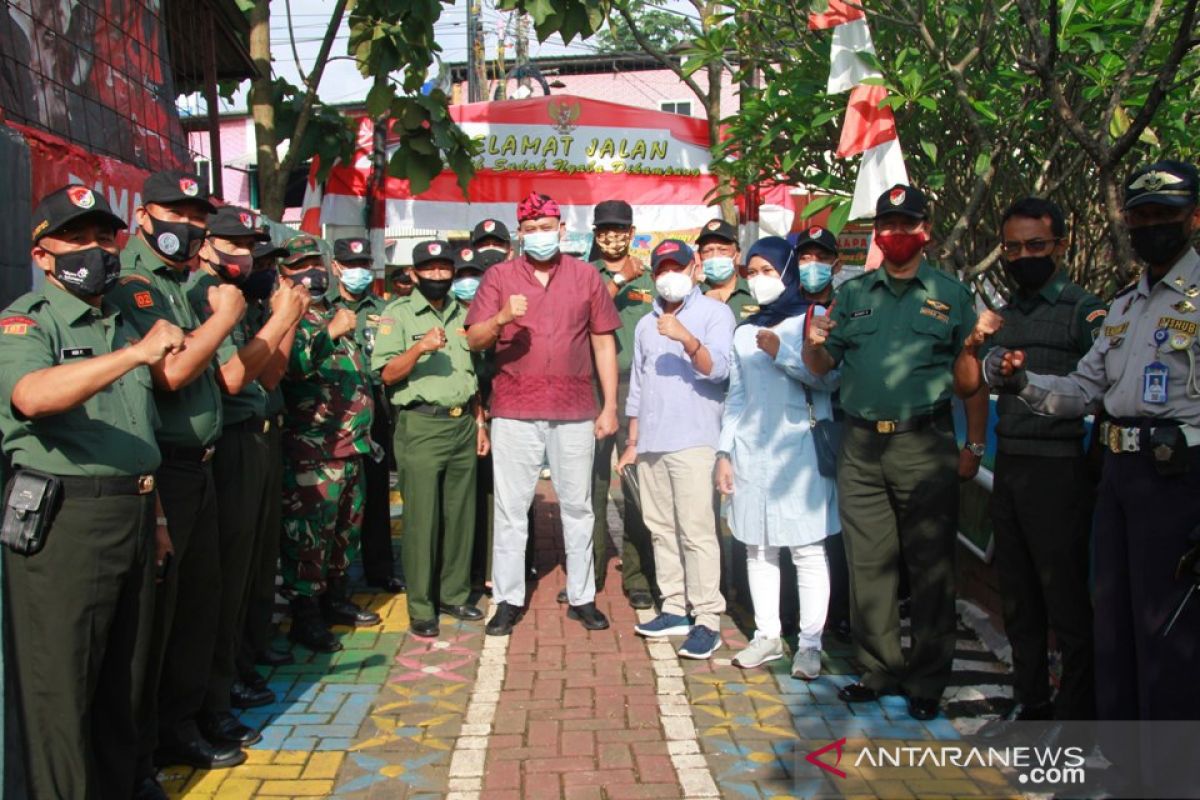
815	275
540	245
465	288
356	279
718	268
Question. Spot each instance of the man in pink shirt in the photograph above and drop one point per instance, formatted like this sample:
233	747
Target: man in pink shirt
550	321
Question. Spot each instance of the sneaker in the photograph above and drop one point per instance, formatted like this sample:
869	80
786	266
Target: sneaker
806	664
700	643
760	650
664	625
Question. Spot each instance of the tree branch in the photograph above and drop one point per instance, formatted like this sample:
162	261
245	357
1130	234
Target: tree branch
292	37
659	55
1131	62
292	158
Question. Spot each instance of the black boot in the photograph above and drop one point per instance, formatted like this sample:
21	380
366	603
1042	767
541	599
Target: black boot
338	610
309	629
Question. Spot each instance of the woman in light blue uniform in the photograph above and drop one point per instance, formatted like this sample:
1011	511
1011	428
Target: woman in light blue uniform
768	460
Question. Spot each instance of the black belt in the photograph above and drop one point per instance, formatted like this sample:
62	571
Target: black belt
74	486
195	455
891	426
252	425
441	411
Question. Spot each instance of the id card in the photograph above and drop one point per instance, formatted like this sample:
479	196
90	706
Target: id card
1154	383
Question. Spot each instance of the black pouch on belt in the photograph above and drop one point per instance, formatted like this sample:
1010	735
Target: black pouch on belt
28	510
1169	449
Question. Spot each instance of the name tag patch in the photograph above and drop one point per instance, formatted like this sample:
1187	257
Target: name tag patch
1116	330
862	312
1181	325
75	352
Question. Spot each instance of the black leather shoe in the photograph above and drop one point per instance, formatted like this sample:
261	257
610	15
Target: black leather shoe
504	619
309	629
148	788
243	695
254	680
465	612
392	585
274	658
561	597
640	598
222	727
425	628
922	708
339	610
857	693
589	616
197	752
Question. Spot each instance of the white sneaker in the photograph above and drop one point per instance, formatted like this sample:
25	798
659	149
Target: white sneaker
807	663
760	650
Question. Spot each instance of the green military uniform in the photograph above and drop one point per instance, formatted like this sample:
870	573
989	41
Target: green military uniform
435	448
377	556
896	342
239	471
81	609
633	300
185	614
326	431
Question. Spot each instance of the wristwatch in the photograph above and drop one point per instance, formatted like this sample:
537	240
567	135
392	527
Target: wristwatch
976	448
618	279
723	454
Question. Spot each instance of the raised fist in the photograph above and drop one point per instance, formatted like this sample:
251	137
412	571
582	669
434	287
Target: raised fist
434	339
342	323
160	341
768	342
227	300
988	324
516	307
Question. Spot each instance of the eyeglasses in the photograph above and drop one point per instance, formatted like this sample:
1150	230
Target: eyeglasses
1035	247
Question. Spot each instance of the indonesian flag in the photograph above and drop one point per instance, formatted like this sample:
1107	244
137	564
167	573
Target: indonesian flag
310	209
838	13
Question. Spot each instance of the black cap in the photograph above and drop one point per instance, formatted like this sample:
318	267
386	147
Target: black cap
670	250
231	221
436	250
173	186
466	258
71	202
350	251
268	250
490	229
816	235
904	200
1166	183
718	229
613	212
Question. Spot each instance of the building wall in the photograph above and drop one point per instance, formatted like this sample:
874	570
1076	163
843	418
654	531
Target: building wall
237	152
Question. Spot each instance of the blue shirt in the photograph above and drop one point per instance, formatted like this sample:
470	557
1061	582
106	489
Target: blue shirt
677	406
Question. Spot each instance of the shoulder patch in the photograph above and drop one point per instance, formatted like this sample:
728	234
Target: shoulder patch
1099	313
143	299
125	280
17	325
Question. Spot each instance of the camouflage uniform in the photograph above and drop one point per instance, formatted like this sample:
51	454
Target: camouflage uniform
327	425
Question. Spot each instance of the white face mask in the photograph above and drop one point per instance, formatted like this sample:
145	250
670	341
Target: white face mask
766	288
673	286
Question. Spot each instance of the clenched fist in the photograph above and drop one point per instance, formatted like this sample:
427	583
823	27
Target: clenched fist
434	339
161	340
514	309
342	323
1004	370
987	325
227	300
768	342
670	327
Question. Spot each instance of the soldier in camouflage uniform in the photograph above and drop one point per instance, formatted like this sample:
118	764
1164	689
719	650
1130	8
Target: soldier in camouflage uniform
327	430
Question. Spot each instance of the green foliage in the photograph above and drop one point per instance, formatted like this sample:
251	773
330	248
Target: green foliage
662	29
328	135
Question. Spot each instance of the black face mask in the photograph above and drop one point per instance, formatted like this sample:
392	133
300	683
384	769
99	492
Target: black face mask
1159	244
87	273
259	285
175	241
235	269
434	290
1030	273
315	279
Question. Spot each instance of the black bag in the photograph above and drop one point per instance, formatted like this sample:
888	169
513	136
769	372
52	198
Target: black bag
28	510
827	436
631	488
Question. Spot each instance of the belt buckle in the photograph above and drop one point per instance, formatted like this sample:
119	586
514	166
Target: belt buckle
208	454
1130	440
1113	437
457	411
145	484
885	426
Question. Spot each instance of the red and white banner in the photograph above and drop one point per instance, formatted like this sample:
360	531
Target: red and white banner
578	151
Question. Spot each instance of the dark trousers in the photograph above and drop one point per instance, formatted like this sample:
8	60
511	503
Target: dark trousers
1141	529
637	552
898	498
187	605
378	559
264	567
240	475
1042	518
80	614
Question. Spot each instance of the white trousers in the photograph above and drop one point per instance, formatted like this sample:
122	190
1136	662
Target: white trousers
812	581
518	449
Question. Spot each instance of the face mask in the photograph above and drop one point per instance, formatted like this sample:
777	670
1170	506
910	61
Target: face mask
1030	273
434	290
315	279
235	269
465	288
87	273
673	286
356	279
815	275
540	245
899	247
766	288
614	246
175	241
259	285
1159	244
718	268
